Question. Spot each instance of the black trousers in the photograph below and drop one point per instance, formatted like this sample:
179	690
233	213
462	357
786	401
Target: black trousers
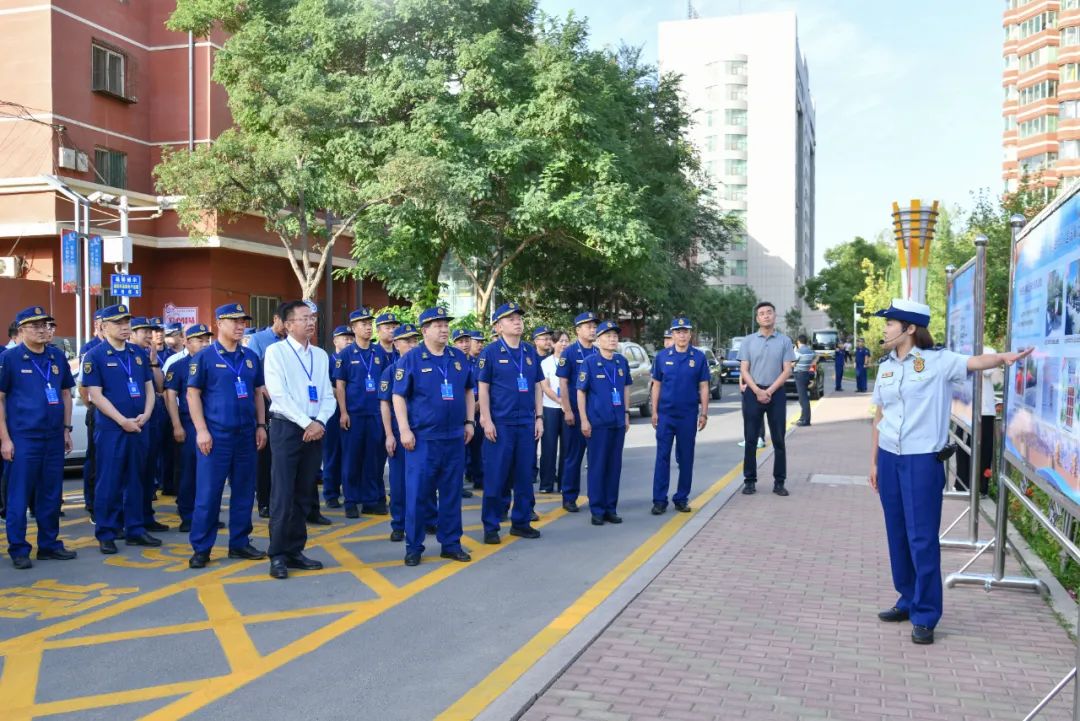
986	456
754	416
262	479
802	385
292	487
550	449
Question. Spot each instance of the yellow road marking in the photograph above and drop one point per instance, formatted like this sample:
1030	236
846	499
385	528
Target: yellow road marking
112	698
228	627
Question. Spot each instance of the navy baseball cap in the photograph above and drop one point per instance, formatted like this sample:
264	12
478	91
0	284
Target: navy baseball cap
606	327
387	318
99	313
115	312
667	333
907	310
541	330
31	314
406	330
585	317
194	331
477	335
156	323
342	330
231	311
436	313
174	328
459	333
139	322
360	313
681	322
506	309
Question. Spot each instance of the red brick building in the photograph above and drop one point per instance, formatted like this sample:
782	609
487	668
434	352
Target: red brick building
91	93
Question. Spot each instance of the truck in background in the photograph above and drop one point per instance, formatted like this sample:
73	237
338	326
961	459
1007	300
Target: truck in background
824	341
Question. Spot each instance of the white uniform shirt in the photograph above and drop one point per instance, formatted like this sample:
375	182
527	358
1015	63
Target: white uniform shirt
286	369
915	399
174	358
548	366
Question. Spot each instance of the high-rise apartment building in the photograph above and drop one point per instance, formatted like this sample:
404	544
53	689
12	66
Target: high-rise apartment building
1042	92
748	87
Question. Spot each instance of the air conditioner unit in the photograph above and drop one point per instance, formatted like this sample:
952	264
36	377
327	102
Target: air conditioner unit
72	159
10	266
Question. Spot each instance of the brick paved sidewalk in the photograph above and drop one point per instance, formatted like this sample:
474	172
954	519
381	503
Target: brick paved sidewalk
770	613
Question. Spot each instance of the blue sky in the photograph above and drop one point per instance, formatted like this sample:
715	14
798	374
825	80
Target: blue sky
908	96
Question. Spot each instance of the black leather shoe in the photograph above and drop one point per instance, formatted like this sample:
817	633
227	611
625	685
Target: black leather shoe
375	510
264	511
922	635
780	491
198	560
318	519
682	507
22	562
492	538
107	547
144	540
598	520
412	559
612	518
460	556
333	503
303	563
248	553
57	554
894	615
278	569
156	527
570	507
749	489
185	527
466	493
431	529
524	532
351	511
397	536
658	509
533	517
800	423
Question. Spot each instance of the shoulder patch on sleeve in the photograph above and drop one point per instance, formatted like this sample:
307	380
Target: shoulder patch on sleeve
480	363
384	386
337	363
562	361
168	376
399	374
582	376
88	367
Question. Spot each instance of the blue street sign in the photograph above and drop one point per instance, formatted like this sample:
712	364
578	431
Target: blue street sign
125	286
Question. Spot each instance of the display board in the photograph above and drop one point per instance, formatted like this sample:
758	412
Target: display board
1042	418
961	336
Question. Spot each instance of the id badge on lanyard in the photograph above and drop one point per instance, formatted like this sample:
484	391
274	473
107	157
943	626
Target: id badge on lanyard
523	385
446	388
51	396
313	394
369	384
133	389
241	389
616	397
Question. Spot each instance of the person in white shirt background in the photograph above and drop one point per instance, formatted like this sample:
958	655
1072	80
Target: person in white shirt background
551	442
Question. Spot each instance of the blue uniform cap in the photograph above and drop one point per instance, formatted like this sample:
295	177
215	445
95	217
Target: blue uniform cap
436	313
139	321
342	330
407	330
907	310
194	331
31	314
231	311
115	312
505	310
667	333
459	333
477	335
157	323
681	322
360	313
585	317
541	330
607	326
387	318
173	328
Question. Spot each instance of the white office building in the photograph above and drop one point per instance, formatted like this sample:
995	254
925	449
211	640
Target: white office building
745	81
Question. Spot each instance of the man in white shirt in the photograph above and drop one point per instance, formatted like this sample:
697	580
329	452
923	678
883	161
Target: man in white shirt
297	376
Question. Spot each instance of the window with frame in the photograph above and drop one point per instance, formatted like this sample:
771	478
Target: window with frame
1070	35
1038	91
735	117
736	92
1069	73
734	192
738	243
737	268
734	142
109	71
734	166
262	309
111	167
736	67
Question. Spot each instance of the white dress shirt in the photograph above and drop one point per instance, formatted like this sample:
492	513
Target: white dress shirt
288	370
174	358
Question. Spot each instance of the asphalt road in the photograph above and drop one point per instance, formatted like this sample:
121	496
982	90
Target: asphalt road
139	635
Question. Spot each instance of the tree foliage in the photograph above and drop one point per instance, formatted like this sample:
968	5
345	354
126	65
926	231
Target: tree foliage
836	285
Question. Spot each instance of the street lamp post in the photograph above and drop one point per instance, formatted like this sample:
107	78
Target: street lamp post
855	308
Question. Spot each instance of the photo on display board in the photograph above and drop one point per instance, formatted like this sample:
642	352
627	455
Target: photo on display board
1067	408
1072	299
1054	304
1048	408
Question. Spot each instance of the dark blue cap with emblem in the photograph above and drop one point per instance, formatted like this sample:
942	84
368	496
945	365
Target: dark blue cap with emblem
360	313
174	328
907	310
407	330
31	315
194	331
342	330
606	327
477	335
459	333
506	309
156	323
436	313
231	311
115	312
667	333
138	322
681	322
586	317
541	330
387	318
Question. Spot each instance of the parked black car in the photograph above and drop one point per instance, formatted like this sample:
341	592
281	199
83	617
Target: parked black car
817	383
716	380
729	370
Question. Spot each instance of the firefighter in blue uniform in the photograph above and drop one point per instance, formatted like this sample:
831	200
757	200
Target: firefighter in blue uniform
35	433
343	338
356	384
121	387
225	388
405	339
461	339
90	461
474	451
142	335
680	403
511	415
839	360
385	325
571	362
434	409
183	430
603	392
862	356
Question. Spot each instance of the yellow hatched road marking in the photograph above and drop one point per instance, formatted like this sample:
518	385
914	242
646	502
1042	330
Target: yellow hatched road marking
228	626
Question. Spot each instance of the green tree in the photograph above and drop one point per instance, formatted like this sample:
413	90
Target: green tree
835	286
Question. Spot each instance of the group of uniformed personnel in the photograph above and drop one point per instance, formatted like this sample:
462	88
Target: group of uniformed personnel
438	411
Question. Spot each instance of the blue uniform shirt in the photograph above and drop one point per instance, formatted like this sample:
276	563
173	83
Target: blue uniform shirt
176	379
861	354
419	378
501	366
261	340
598	377
25	377
915	399
386	393
569	367
214	371
90	345
361	370
679	375
113	371
388	357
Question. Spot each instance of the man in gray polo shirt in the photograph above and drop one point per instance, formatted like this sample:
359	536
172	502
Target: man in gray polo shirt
765	359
